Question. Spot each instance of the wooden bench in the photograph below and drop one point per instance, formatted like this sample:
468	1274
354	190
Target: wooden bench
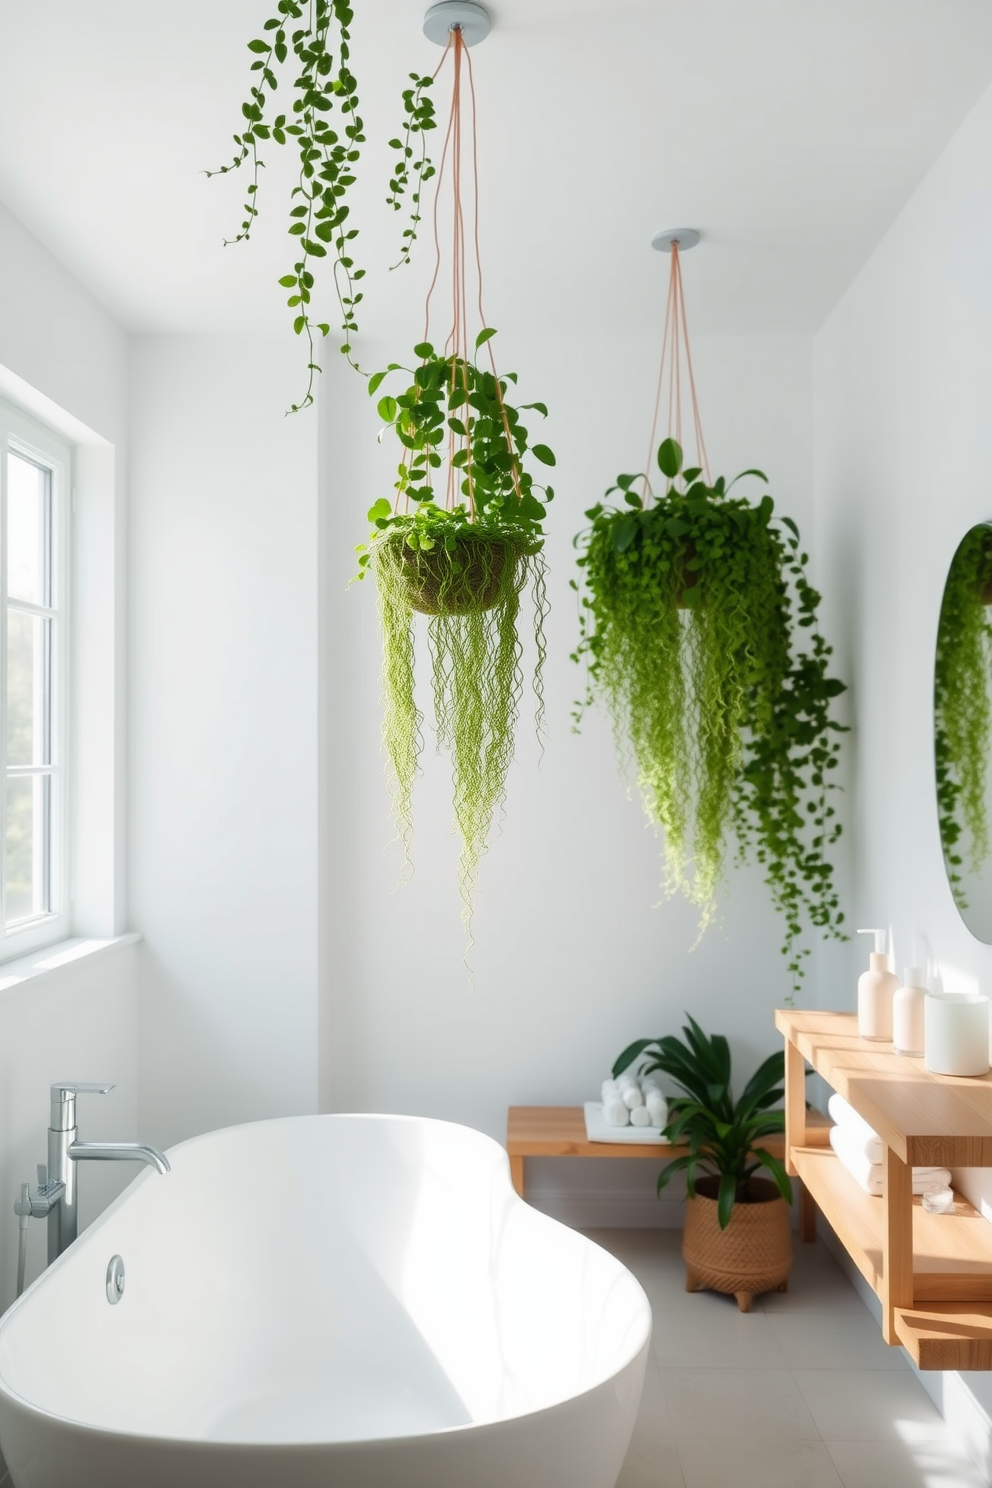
560	1131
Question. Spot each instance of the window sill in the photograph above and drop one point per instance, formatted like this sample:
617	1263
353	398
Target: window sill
53	958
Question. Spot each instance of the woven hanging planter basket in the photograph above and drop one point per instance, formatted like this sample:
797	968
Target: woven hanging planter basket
752	1255
469	579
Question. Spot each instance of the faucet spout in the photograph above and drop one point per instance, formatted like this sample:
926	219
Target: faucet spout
119	1152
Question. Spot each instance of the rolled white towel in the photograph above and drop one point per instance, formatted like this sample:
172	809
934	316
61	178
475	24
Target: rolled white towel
615	1113
640	1116
631	1096
871	1176
856	1126
657	1106
610	1090
653	1080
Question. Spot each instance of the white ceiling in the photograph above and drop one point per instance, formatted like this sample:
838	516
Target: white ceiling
789	131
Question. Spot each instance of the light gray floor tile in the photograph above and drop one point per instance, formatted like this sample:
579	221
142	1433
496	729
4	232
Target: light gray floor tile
816	1284
654	1421
651	1464
848	1341
768	1464
870	1405
874	1464
731	1339
739	1404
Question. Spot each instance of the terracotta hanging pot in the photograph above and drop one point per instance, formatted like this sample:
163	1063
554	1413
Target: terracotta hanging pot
752	1255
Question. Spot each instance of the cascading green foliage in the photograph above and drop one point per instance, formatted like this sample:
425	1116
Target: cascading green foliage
692	611
464	567
962	708
320	45
723	1135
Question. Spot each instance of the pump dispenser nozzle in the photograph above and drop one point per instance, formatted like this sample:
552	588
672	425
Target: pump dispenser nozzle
879	935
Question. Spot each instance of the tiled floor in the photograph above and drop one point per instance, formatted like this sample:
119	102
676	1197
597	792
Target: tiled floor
800	1393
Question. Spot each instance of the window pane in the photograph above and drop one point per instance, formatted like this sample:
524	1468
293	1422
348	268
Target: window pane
27	523
25	858
28	741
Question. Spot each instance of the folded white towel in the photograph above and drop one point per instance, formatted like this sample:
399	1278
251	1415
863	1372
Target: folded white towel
640	1116
871	1176
615	1112
847	1117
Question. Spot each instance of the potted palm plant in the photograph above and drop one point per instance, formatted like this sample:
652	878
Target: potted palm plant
737	1236
461	555
698	624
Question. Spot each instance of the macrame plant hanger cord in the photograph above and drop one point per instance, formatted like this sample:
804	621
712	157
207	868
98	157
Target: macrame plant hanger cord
457	344
675	342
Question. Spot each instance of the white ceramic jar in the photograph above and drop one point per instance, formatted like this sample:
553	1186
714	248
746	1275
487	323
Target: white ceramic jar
956	1033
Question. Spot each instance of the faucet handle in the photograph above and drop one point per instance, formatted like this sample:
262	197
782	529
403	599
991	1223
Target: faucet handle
64	1094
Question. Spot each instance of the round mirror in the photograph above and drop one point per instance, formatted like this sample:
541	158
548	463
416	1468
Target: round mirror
962	708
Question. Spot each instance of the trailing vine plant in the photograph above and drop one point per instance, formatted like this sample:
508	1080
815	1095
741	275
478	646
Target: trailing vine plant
462	557
463	536
698	624
315	36
963	710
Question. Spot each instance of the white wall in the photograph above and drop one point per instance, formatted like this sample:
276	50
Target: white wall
65	360
572	959
902	392
223	712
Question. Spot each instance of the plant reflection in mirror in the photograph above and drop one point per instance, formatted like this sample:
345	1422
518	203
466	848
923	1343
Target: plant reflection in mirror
962	709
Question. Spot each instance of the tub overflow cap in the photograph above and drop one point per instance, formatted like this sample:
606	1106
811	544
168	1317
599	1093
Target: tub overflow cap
115	1280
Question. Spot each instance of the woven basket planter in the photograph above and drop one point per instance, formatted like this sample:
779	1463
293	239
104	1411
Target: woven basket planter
752	1255
476	584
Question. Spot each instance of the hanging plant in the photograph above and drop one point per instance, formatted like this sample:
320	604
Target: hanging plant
463	562
962	708
313	38
695	602
459	543
698	624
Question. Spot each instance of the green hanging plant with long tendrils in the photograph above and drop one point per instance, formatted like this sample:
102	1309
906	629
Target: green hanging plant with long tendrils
463	565
320	45
963	710
694	609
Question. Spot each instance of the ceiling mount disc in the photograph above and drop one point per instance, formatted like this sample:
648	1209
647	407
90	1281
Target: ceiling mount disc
686	237
441	20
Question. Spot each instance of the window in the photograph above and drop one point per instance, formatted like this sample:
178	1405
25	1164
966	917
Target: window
34	474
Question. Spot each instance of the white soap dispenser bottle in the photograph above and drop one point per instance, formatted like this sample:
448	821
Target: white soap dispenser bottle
876	989
907	1012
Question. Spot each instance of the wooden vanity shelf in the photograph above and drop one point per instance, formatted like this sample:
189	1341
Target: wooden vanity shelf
932	1272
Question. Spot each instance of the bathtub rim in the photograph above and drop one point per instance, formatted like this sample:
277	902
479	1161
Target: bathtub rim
145	1175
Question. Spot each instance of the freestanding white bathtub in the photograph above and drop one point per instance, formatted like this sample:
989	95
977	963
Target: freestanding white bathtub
342	1301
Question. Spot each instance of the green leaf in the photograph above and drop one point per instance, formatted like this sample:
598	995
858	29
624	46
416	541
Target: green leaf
424	350
375	382
484	336
542	453
624	533
669	458
288	281
380	508
387	409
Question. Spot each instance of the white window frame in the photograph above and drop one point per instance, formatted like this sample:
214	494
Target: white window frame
21	435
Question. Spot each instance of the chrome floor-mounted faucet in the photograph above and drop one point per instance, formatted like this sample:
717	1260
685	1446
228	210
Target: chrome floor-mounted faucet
55	1195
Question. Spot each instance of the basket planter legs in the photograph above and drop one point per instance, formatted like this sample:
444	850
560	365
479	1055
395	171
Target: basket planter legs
752	1255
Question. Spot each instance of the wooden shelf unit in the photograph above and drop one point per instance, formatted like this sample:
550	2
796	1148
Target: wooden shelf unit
932	1272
